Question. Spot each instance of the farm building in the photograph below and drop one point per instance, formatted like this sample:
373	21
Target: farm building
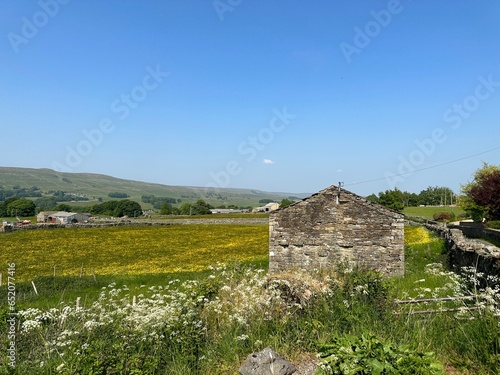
336	226
227	210
272	206
61	217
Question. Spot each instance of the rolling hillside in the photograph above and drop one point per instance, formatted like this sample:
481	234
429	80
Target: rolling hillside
96	186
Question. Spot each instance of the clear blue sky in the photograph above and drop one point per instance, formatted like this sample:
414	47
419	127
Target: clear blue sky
274	95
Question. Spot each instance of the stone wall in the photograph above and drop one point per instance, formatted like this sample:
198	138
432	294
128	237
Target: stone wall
325	230
467	252
478	230
184	221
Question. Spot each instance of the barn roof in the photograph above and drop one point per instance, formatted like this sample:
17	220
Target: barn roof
335	190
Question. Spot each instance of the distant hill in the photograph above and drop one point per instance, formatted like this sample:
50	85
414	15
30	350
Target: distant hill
95	186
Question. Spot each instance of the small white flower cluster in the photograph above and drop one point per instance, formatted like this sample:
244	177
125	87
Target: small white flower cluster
161	313
33	319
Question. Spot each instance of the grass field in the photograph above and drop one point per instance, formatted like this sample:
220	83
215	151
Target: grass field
428	211
130	250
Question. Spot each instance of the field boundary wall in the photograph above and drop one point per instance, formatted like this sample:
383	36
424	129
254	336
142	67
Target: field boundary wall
166	222
469	252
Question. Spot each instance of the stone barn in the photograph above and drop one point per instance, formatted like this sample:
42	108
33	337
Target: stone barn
336	226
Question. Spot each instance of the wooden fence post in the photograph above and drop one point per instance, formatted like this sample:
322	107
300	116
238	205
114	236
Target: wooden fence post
34	287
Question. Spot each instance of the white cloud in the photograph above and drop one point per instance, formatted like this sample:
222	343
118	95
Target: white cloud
267	161
339	171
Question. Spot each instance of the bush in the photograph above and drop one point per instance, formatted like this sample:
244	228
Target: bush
442	216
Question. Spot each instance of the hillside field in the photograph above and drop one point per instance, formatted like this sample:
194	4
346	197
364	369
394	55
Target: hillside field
94	186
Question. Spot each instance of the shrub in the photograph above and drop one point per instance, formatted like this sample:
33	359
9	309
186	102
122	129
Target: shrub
441	216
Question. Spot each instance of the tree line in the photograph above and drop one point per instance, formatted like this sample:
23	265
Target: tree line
158	202
19	192
397	199
480	198
14	206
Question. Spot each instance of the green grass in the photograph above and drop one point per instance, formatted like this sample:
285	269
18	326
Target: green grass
53	291
419	252
429	211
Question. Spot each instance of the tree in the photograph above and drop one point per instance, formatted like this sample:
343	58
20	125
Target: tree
63	207
21	207
45	203
105	208
200	207
410	199
10	200
286	202
393	199
436	196
128	208
481	196
185	209
266	201
157	202
372	198
3	209
166	209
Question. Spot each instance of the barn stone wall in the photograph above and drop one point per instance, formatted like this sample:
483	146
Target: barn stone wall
326	229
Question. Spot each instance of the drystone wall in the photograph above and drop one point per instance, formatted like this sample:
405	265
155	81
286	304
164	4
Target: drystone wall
467	252
478	230
321	231
164	222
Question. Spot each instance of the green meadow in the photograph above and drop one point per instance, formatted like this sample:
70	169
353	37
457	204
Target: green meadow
428	211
